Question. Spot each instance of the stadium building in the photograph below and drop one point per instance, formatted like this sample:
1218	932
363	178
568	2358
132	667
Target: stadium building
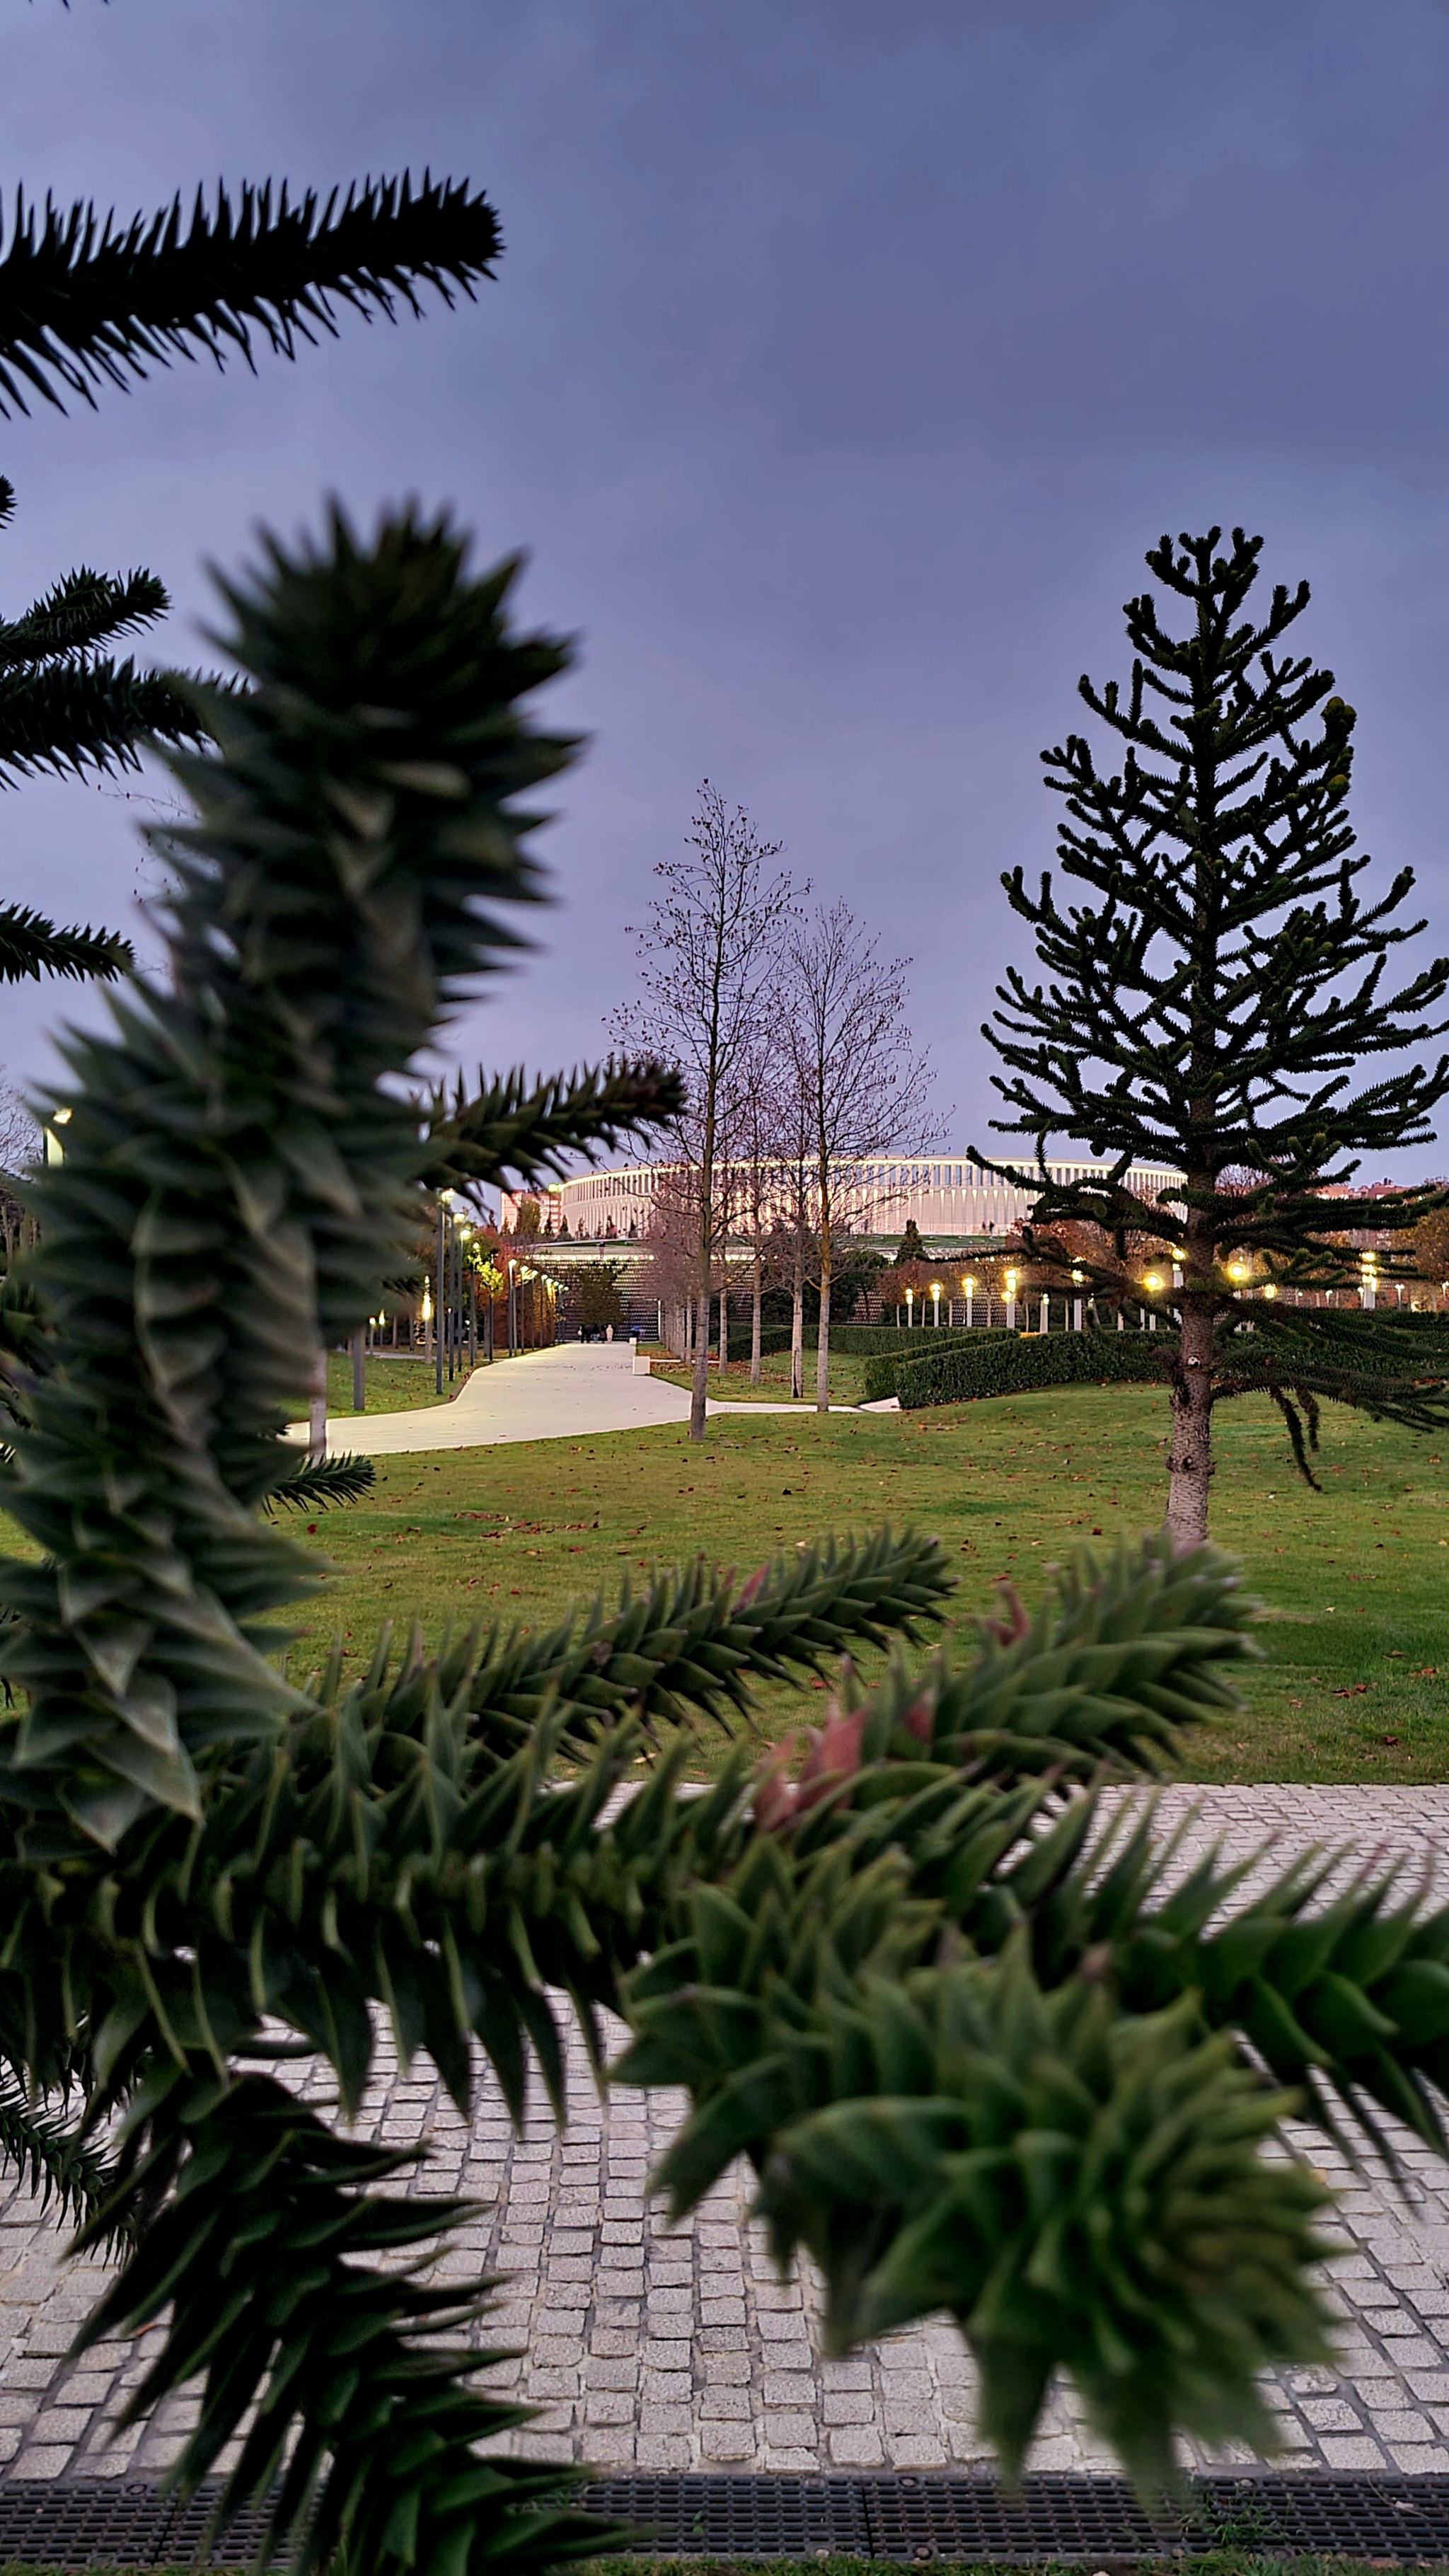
953	1204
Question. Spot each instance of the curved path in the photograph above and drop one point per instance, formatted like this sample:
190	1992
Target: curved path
576	1387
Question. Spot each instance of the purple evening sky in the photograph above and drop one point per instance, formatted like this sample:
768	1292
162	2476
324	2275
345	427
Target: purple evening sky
843	362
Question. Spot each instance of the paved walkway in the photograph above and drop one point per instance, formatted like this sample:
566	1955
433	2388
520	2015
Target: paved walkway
558	1394
682	2349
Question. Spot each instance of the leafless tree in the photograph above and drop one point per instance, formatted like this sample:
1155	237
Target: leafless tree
706	955
755	1118
861	1081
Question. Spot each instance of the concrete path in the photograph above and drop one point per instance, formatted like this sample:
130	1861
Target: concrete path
652	2347
559	1394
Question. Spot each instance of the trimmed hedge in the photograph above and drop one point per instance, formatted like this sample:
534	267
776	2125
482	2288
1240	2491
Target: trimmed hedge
883	1371
853	1341
1013	1363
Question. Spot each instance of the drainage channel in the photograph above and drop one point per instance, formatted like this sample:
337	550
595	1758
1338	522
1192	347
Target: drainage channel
99	2522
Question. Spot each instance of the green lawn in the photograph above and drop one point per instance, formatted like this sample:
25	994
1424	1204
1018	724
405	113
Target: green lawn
847	1378
1356	1680
397	1382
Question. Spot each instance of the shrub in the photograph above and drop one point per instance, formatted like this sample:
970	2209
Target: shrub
883	1369
1011	1363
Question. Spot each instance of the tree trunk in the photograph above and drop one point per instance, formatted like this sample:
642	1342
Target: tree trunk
724	1331
797	1326
359	1370
822	1347
699	1391
1191	1465
827	1272
317	1411
756	1319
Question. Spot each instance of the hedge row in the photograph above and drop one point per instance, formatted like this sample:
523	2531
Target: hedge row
883	1371
1012	1363
853	1341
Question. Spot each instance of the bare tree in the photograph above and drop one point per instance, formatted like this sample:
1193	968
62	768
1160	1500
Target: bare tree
706	956
861	1081
757	1108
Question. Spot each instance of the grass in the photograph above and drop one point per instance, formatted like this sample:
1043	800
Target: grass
1355	1682
397	1382
847	1378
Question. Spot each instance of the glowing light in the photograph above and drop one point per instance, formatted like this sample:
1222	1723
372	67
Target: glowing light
1237	1270
1153	1281
1270	1290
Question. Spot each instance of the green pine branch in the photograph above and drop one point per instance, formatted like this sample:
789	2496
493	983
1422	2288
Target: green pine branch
322	1484
80	614
55	2160
32	946
86	302
509	1130
68	718
272	2257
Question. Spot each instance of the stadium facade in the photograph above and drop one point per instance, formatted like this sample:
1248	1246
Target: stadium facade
950	1201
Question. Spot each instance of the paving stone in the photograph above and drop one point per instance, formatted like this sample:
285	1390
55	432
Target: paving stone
668	2348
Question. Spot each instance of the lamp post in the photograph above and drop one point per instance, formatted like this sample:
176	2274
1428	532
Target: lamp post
1011	1301
512	1317
1153	1285
1368	1291
1077	1317
910	1308
968	1291
936	1302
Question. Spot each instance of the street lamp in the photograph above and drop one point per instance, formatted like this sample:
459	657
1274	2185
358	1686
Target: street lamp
1011	1301
936	1300
1238	1271
968	1291
1078	1277
910	1308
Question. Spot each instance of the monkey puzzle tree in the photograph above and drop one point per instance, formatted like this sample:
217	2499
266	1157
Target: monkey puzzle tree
1209	1010
984	2050
86	303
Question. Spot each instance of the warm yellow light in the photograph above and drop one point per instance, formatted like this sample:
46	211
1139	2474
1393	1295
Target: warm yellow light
968	1287
426	1309
1237	1270
1153	1281
935	1287
1270	1290
1077	1277
62	1118
1011	1283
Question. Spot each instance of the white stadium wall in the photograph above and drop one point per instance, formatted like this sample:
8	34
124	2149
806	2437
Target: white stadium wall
948	1198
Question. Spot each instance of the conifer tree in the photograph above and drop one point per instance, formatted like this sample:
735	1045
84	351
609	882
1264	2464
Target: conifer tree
87	302
1209	1011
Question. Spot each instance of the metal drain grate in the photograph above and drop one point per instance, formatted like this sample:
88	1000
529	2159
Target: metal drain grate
737	2517
103	2522
1096	2519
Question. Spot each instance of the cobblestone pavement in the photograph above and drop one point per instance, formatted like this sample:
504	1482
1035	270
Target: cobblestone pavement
678	2349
